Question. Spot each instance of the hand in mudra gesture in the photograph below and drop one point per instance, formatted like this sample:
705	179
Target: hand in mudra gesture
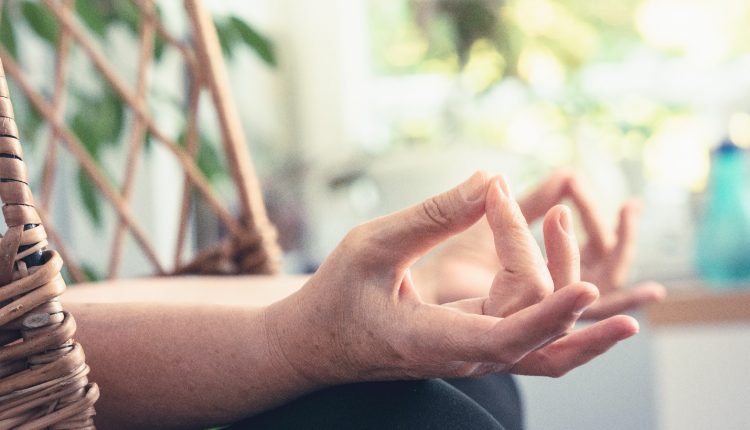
466	264
360	316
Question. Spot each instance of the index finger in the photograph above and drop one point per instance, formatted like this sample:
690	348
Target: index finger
523	278
619	260
553	190
590	216
546	195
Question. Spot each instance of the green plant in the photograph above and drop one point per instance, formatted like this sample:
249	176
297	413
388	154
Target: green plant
95	112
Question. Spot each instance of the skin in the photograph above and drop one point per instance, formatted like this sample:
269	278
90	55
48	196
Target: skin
466	264
191	361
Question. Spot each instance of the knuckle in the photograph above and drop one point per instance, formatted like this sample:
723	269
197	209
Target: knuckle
568	177
537	292
357	236
564	326
550	367
354	243
435	212
532	288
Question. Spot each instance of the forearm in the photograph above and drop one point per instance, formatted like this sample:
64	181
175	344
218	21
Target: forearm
219	290
186	365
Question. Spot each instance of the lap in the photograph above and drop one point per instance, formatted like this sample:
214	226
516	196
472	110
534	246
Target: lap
431	404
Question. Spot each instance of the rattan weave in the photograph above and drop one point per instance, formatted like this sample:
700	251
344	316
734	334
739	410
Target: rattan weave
43	372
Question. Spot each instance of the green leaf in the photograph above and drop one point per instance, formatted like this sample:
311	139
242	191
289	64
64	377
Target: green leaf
148	142
113	109
91	273
41	21
257	42
159	46
90	198
228	37
32	122
96	14
99	121
7	33
88	137
159	43
29	120
182	139
209	161
126	12
100	14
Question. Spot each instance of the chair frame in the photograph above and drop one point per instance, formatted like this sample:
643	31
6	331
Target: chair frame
43	373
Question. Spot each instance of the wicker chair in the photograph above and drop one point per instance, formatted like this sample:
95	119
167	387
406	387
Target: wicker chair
43	374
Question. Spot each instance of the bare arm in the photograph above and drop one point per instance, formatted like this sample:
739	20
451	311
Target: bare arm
182	330
181	365
194	358
219	290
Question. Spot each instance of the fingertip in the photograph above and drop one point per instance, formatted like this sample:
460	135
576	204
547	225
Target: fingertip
573	183
565	220
652	291
586	295
502	182
635	204
497	192
630	211
558	218
474	188
659	292
633	326
565	174
627	326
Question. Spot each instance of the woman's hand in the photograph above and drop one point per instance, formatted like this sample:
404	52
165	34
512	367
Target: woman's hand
360	316
462	268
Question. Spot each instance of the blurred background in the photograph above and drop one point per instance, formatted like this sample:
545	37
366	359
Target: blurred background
355	108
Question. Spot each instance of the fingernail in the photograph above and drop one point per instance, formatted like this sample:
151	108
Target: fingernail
503	186
473	188
564	221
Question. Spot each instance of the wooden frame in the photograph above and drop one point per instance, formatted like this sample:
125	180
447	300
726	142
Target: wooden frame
43	374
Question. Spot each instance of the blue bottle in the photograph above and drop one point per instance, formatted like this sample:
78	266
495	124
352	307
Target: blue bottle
723	241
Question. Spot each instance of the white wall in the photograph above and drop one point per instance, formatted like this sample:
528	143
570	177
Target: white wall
613	392
702	381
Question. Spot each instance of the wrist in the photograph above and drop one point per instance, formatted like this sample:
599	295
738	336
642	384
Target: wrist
276	327
300	346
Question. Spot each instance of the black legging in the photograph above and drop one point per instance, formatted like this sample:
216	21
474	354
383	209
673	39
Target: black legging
491	402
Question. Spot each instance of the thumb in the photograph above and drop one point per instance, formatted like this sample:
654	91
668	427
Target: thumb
402	237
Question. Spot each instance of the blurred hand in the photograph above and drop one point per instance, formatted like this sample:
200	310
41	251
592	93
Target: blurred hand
360	317
463	267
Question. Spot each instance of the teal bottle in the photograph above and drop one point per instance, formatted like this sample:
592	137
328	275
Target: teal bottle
723	233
